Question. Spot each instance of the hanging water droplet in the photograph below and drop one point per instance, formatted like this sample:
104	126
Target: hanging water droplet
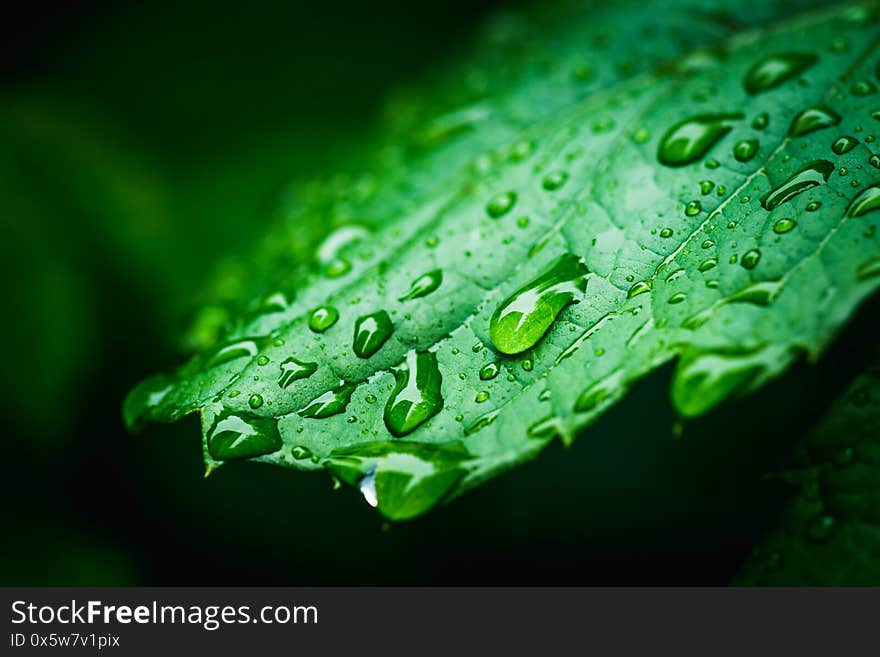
784	225
370	333
690	140
693	208
367	486
329	403
745	149
424	285
416	396
812	119
500	205
523	318
809	176
489	371
554	180
844	144
322	318
294	370
236	435
774	70
866	201
750	259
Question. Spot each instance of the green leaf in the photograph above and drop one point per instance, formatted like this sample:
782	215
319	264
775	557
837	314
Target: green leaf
830	533
618	189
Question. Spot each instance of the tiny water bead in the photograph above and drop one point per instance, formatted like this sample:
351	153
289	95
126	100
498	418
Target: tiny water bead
424	285
812	119
523	318
784	225
263	360
294	370
809	176
417	393
528	365
500	205
322	318
866	201
554	181
489	371
693	208
772	71
690	140
812	206
751	259
370	333
761	121
235	435
844	144
329	403
745	149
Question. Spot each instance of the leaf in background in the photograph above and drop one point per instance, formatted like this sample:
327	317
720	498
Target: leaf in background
512	279
830	534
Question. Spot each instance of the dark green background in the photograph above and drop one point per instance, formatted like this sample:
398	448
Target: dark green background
138	145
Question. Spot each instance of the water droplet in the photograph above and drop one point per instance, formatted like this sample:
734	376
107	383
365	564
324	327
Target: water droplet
240	436
688	141
500	205
844	144
706	265
592	397
745	149
707	244
812	206
874	161
294	370
489	371
367	486
300	452
870	269
812	119
774	70
329	403
545	428
637	288
821	528
693	208
233	351
482	422
750	259
481	396
370	333
424	285
784	225
523	222
761	121
706	187
866	201
811	175
678	297
255	401
758	294
862	88
666	232
523	318
528	365
416	396
554	181
323	318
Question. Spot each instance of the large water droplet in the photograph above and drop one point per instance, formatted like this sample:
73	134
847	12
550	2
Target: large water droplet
424	285
323	318
751	259
844	144
416	396
367	487
523	318
691	139
812	119
236	435
772	71
500	205
784	225
294	370
370	333
489	371
329	403
745	149
866	201
810	175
